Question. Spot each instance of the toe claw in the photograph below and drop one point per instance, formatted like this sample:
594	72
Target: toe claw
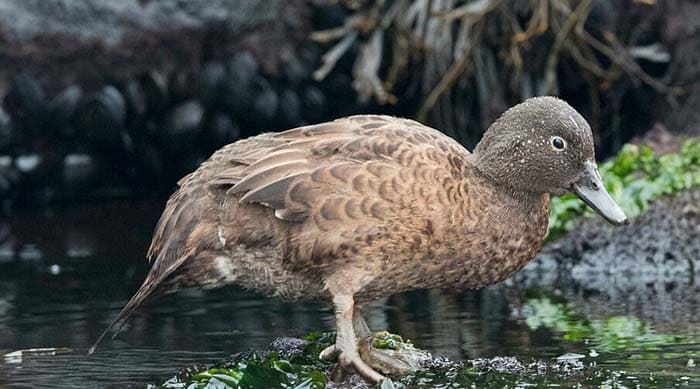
328	353
365	371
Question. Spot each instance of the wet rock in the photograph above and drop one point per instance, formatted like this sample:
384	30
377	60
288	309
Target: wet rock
211	84
182	125
328	15
181	86
438	371
309	58
243	68
63	106
27	163
265	108
6	131
289	109
314	104
25	101
79	173
135	100
240	84
288	347
8	175
155	91
295	72
644	259
102	116
219	130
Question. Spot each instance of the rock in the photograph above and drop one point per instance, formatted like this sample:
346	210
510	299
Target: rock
643	261
295	72
6	131
243	68
328	15
8	175
25	101
102	116
155	91
63	107
314	104
220	130
182	125
135	100
182	86
27	163
211	84
80	171
289	109
240	83
265	108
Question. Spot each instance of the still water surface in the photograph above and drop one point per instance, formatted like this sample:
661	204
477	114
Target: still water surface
65	273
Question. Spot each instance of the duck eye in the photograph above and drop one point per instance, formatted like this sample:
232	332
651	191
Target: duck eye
558	143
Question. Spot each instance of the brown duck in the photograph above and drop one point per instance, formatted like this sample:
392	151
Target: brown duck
368	206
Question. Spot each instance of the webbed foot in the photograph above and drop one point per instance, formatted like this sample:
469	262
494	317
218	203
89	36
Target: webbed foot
346	344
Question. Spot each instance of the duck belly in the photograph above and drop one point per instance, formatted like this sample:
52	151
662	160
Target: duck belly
263	270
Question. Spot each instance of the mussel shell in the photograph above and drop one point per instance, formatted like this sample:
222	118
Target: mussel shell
6	131
314	104
219	130
265	108
211	81
135	100
182	86
155	89
182	125
102	115
64	105
26	98
289	109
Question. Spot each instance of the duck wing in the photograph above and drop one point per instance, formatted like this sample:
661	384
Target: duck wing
346	181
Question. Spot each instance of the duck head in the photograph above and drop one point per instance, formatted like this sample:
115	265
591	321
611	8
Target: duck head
543	145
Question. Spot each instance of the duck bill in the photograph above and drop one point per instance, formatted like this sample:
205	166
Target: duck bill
591	190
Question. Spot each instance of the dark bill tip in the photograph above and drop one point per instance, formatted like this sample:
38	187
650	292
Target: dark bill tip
590	189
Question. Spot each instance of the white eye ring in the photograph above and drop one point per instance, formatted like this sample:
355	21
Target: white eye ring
558	143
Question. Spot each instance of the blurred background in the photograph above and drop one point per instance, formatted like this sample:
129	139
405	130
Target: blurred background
106	104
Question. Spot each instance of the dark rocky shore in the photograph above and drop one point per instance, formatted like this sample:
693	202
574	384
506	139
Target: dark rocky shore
122	99
650	267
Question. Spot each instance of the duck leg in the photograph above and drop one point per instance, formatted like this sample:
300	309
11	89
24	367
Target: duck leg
399	362
346	341
362	332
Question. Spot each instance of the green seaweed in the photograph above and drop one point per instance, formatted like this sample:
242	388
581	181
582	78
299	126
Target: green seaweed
634	178
629	336
387	340
299	370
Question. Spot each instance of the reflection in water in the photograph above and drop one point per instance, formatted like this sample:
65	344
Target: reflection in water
64	275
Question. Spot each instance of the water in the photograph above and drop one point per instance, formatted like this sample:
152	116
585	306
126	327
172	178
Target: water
65	274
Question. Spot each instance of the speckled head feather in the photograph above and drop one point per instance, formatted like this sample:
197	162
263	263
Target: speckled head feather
517	149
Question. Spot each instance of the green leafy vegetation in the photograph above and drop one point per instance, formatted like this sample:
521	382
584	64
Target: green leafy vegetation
298	370
634	178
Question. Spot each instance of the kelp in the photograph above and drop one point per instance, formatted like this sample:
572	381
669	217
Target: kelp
489	52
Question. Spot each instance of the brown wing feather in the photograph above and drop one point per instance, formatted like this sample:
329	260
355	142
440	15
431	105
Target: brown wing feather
289	179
